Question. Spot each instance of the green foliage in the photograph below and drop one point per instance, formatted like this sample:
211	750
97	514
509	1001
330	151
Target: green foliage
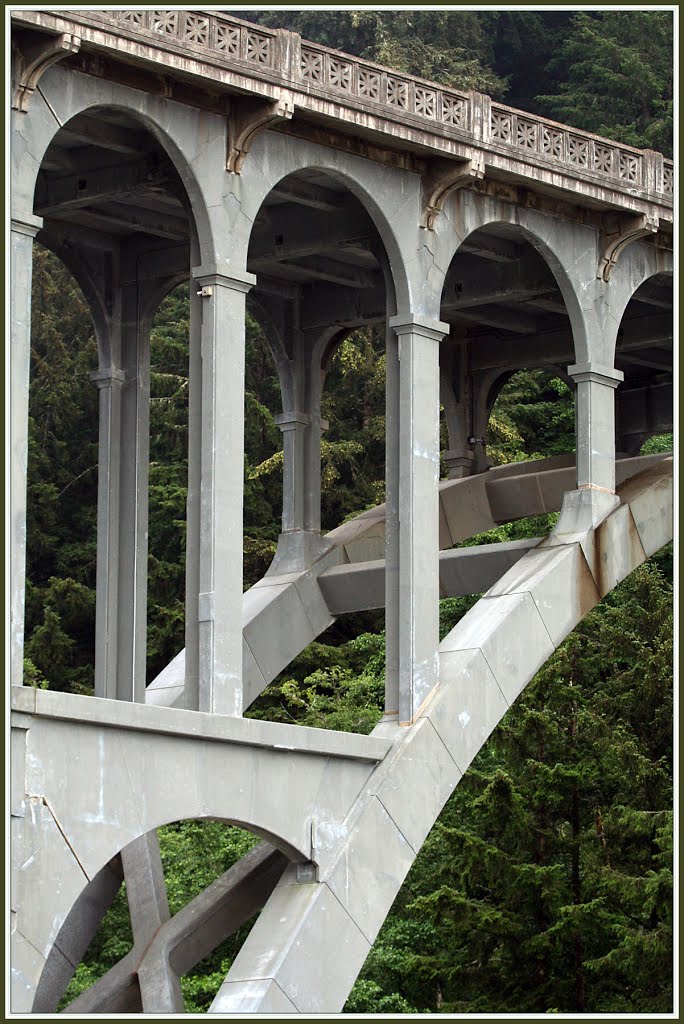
545	885
614	77
450	47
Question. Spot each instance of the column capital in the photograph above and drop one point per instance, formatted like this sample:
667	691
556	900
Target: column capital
223	276
27	224
292	420
416	323
110	377
596	373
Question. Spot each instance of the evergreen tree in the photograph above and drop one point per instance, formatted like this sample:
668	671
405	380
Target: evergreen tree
614	77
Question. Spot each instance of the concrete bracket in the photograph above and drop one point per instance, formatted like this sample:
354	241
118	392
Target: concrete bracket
616	236
444	177
34	59
249	117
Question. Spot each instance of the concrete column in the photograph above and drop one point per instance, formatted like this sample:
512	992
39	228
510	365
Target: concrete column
391	526
192	522
418	350
134	491
122	505
293	426
594	495
313	388
456	397
24	230
221	490
109	382
595	419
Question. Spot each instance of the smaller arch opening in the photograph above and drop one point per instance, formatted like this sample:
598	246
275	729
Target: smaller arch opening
204	909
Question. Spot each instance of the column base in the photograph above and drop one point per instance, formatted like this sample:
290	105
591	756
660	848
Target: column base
583	510
297	550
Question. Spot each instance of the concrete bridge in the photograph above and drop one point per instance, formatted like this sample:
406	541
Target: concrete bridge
324	193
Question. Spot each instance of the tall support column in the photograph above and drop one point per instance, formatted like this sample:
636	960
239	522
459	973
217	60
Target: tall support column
24	230
455	391
134	492
122	504
313	389
391	525
109	382
192	522
221	492
595	420
418	531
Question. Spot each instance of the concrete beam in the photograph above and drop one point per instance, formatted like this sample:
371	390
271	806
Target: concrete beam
138	219
111	183
106	136
361	586
557	346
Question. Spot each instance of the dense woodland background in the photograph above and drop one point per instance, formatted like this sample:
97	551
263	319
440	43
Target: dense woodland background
546	884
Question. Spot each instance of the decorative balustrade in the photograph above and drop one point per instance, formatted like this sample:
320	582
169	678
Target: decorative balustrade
319	70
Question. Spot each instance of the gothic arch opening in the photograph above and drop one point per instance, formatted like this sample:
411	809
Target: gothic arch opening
321	295
506	311
114	206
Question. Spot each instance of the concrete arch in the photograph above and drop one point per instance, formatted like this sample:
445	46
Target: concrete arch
637	265
274	158
57	102
568	250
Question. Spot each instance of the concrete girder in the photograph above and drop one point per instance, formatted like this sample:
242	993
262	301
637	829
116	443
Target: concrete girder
360	586
127	180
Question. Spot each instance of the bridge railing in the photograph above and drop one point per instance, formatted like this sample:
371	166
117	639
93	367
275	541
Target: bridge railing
330	74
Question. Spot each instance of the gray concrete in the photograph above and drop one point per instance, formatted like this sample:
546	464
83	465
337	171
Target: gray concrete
483	240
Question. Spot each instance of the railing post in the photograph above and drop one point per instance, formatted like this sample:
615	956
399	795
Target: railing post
418	526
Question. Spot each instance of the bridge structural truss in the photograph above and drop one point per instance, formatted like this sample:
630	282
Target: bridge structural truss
322	194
